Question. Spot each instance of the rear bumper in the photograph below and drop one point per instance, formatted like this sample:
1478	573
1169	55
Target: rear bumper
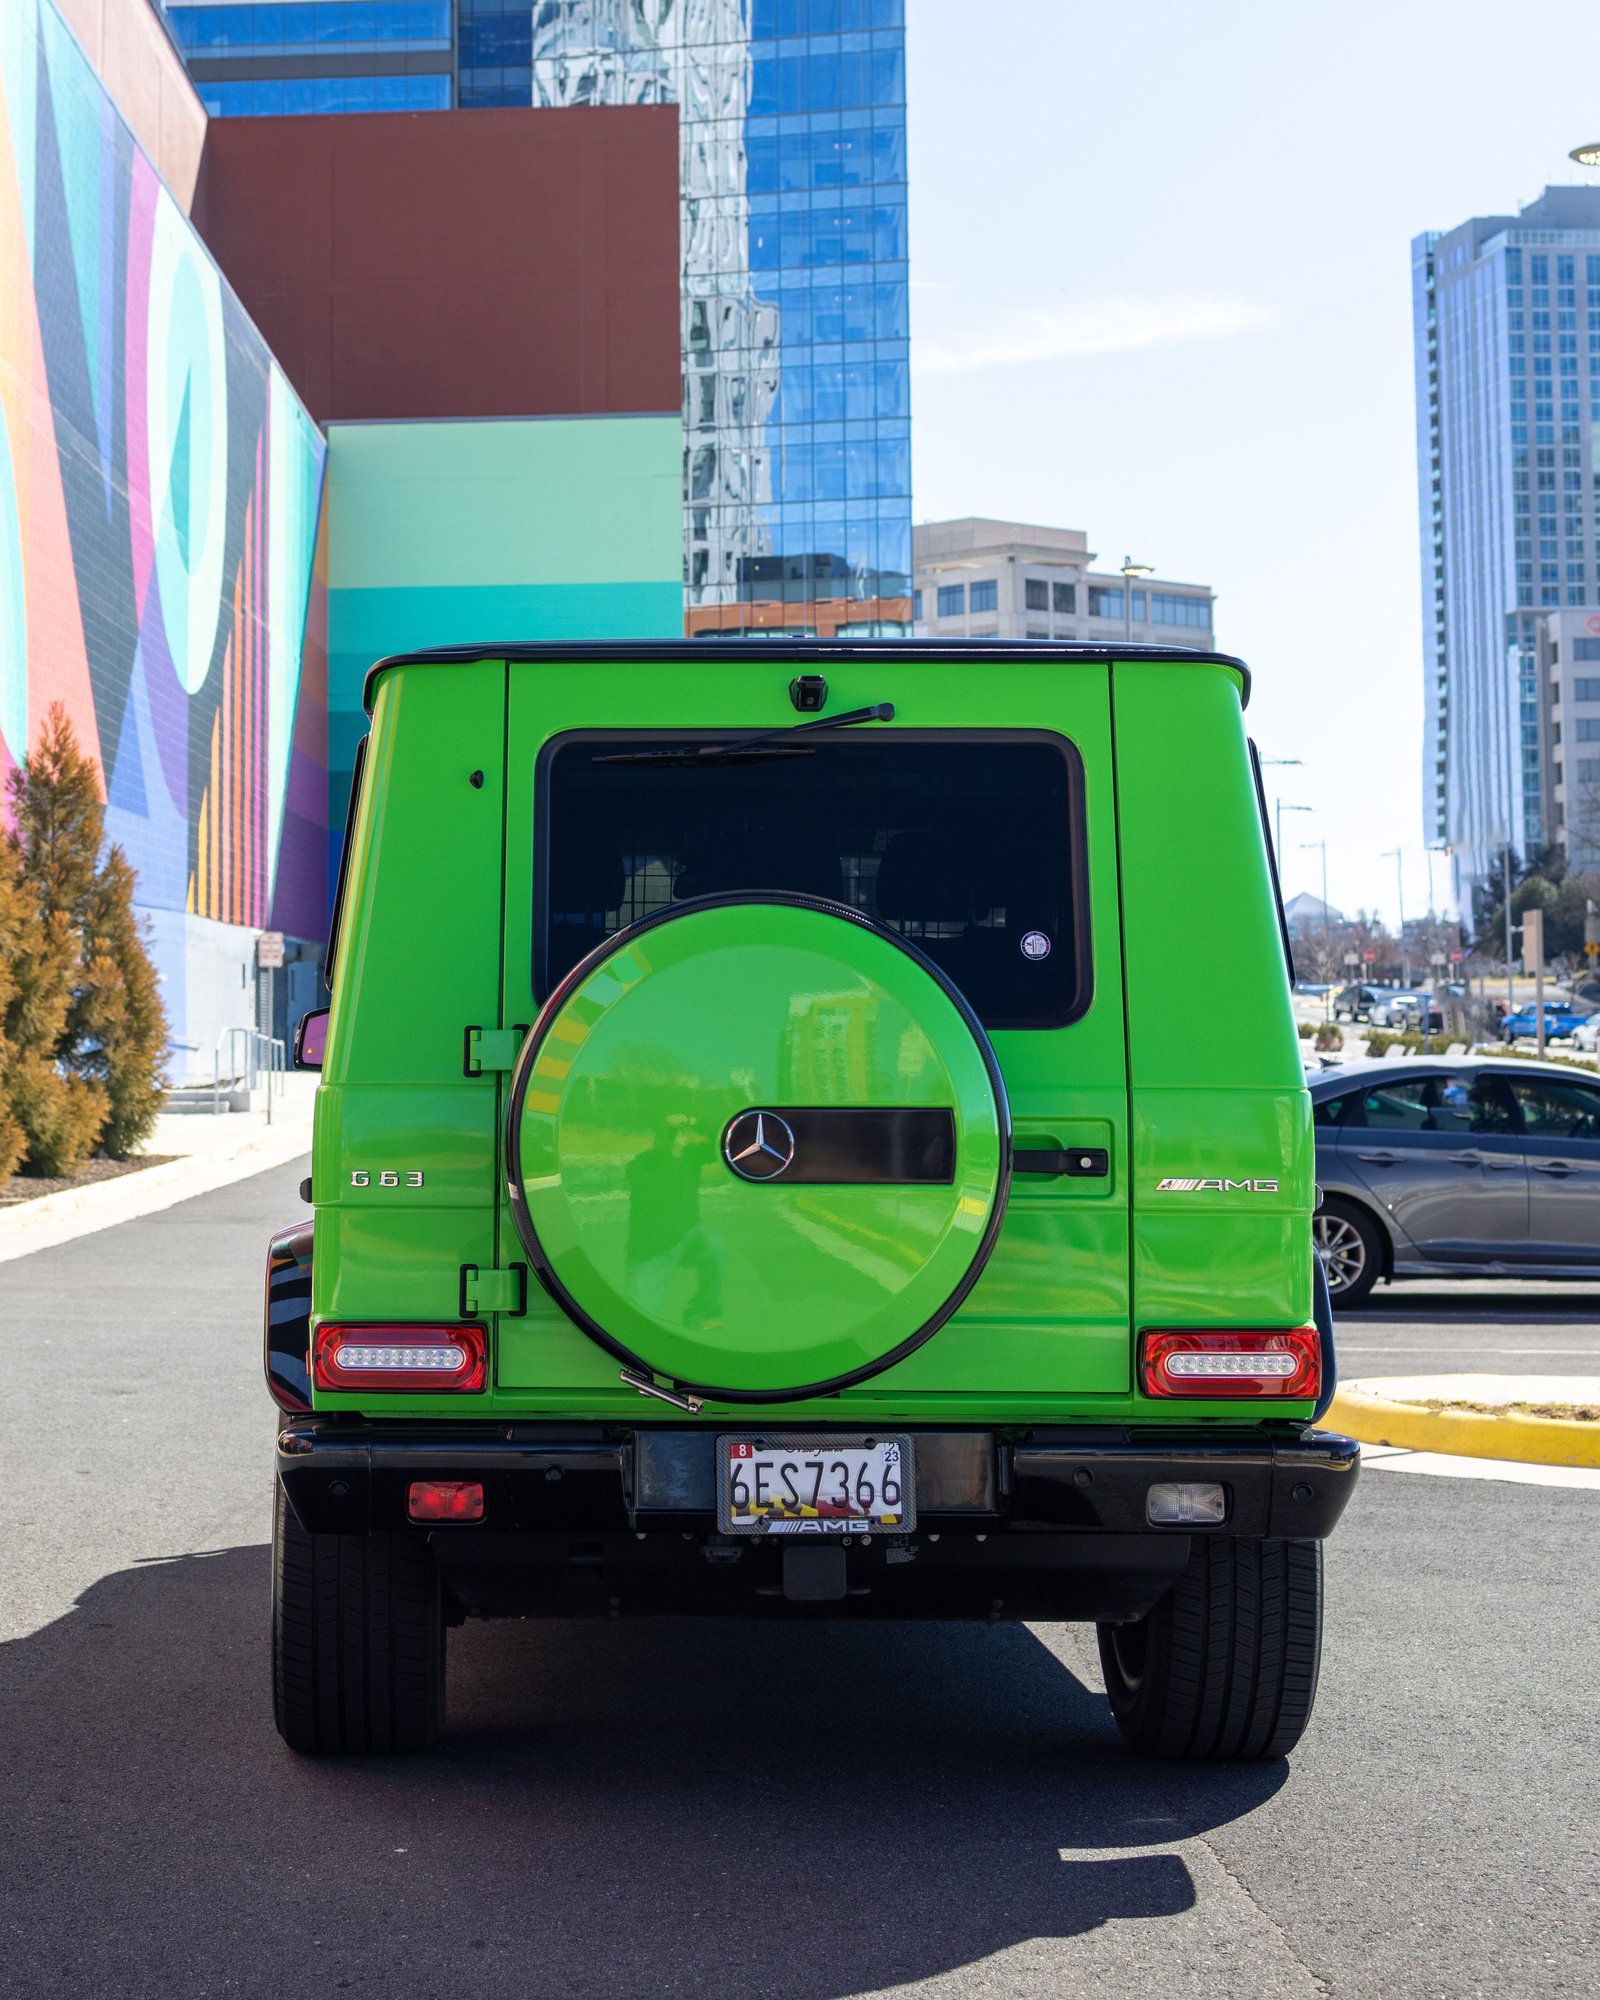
1048	1523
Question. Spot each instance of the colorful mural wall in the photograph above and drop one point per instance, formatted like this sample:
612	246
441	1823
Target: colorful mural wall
159	494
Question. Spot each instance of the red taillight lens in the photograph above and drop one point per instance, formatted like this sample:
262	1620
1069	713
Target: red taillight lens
430	1359
1231	1364
445	1500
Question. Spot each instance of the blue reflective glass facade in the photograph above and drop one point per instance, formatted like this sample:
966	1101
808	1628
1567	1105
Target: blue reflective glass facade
797	409
269	58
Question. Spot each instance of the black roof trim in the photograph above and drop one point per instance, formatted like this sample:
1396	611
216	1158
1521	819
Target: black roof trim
812	650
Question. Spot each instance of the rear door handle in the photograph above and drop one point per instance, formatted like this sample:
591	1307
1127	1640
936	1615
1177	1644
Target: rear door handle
1557	1167
1379	1159
1467	1159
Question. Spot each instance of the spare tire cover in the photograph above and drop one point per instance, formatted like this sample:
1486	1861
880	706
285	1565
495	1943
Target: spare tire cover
758	1145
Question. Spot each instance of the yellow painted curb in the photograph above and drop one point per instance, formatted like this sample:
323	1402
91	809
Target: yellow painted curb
1465	1433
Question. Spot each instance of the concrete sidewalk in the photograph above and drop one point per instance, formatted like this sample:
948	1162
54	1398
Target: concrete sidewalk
210	1152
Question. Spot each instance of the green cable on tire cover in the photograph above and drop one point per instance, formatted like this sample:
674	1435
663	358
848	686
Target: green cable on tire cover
622	1098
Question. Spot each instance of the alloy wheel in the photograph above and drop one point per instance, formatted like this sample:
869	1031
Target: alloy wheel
1343	1253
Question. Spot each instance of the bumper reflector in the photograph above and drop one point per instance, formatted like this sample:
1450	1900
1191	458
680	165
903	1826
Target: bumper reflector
1231	1364
414	1358
445	1500
1181	1502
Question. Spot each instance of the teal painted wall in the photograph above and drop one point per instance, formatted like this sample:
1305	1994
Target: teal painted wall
449	533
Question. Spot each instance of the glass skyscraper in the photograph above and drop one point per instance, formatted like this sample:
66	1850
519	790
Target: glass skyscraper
797	415
1507	324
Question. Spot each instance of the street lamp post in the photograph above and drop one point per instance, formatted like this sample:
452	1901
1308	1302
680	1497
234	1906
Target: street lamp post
1279	808
1131	569
1394	854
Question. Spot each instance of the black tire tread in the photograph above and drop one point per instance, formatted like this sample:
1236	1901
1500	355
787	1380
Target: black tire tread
1232	1654
357	1640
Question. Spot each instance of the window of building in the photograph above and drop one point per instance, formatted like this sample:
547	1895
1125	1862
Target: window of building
1064	596
985	595
1588	729
1037	632
1035	593
1586	690
916	604
1589	770
1586	649
1168	609
1104	601
952	599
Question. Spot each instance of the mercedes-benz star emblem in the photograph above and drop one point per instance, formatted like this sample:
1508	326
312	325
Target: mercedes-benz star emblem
758	1145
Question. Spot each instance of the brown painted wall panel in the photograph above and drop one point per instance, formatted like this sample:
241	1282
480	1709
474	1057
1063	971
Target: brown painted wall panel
456	264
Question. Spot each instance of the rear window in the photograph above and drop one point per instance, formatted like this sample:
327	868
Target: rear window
971	847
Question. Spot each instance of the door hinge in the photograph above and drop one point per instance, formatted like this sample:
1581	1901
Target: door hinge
485	1050
494	1291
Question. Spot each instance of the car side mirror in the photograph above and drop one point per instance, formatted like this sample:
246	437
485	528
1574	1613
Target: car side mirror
311	1039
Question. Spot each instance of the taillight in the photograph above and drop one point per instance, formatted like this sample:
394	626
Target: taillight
1231	1364
429	1359
445	1500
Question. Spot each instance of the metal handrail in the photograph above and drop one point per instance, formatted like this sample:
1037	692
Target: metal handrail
263	1055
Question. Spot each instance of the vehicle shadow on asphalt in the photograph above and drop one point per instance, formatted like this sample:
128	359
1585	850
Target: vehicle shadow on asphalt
805	1810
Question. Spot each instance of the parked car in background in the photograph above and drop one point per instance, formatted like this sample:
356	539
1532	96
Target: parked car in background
1560	1021
1464	1167
1587	1033
1355	1003
1406	1011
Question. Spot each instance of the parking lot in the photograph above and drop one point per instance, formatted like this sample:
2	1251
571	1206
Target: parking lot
811	1811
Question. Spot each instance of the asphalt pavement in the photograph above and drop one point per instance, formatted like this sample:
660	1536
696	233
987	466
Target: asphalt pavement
807	1812
1498	1326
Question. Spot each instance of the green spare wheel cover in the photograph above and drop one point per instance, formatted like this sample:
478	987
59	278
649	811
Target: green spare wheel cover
758	1258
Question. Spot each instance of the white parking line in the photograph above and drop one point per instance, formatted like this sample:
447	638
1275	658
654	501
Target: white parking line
1446	1465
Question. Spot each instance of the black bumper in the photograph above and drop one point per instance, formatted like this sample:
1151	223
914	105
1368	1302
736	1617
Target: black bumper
1043	1524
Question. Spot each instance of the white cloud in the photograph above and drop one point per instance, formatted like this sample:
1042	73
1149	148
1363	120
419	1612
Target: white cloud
1069	333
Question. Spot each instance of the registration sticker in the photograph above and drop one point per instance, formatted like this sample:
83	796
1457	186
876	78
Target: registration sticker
799	1485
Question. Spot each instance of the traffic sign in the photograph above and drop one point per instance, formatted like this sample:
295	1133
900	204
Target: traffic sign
1456	957
269	950
1591	949
1370	957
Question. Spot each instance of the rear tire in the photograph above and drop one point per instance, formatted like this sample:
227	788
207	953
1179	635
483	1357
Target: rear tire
357	1639
1224	1668
1351	1250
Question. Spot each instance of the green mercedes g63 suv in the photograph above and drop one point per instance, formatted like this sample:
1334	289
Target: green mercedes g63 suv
765	1164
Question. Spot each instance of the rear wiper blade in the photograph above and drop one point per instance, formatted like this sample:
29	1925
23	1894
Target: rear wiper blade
766	743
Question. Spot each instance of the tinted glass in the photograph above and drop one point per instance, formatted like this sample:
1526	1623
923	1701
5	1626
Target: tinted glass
1553	1110
1447	1104
970	849
1330	1110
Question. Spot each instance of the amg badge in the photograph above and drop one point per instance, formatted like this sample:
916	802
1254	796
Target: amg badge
1216	1187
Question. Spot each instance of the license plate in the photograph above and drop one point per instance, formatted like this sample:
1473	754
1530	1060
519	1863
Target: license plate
798	1485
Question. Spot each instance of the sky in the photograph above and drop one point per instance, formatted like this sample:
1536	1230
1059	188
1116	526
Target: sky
1161	291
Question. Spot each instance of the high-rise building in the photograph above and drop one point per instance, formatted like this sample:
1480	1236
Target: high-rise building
792	118
982	579
1507	321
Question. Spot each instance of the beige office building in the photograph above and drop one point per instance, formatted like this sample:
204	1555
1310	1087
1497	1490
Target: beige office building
983	579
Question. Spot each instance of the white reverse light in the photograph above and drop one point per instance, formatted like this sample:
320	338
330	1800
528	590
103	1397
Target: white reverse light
1174	1503
365	1356
1262	1366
